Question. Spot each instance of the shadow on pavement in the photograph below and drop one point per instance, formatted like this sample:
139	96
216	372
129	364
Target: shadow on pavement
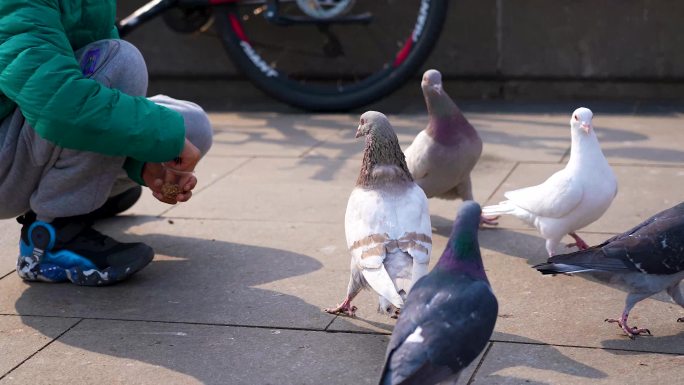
198	286
533	354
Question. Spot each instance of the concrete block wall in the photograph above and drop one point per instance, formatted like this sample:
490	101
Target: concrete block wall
517	47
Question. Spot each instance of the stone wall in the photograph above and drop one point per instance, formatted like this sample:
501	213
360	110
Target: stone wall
499	41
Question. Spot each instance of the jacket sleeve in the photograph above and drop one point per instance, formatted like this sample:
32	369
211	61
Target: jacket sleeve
39	72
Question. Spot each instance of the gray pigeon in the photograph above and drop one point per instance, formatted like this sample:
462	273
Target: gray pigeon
449	315
642	261
387	222
443	155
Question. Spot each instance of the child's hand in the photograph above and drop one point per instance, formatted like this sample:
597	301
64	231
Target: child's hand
160	176
156	175
188	158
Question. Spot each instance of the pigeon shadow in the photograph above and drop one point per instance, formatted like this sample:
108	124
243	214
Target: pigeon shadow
204	287
672	344
514	352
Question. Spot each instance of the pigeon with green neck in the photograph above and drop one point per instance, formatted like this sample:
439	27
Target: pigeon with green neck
449	315
387	223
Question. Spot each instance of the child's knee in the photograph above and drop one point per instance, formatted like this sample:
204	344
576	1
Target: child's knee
198	129
197	125
115	63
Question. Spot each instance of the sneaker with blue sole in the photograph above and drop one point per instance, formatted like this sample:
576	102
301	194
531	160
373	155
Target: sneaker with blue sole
69	249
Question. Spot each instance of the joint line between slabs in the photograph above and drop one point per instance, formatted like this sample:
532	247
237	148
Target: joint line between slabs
6	275
502	182
319	143
586	347
268	327
212	183
41	349
330	323
479	364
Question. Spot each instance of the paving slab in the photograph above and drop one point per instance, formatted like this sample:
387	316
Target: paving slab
641	140
119	352
9	245
642	192
522	137
204	271
513	364
271	134
567	310
20	338
242	272
209	170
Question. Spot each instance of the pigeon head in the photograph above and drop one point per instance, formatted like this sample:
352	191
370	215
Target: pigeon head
383	160
374	124
462	253
581	120
438	103
432	82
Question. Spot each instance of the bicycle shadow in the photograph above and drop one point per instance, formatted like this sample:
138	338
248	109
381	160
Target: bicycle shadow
200	310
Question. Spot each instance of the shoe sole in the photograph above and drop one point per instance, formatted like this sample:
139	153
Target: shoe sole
30	270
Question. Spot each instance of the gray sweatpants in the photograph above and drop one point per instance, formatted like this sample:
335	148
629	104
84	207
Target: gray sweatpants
58	182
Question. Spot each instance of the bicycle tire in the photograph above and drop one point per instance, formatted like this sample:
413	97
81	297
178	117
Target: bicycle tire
314	97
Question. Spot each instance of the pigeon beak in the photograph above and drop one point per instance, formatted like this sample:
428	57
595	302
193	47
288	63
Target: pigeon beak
438	88
358	133
586	127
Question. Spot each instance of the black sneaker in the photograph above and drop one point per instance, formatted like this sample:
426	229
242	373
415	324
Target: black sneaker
116	204
69	249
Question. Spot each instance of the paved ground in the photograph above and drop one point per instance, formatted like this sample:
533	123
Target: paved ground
235	292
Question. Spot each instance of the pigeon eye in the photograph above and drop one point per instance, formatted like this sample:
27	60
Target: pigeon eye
575	117
363	121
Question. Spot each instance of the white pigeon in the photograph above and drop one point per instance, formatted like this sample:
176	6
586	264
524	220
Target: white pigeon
442	156
387	223
571	198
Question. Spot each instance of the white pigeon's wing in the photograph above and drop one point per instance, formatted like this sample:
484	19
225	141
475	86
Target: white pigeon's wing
420	239
554	198
417	156
375	222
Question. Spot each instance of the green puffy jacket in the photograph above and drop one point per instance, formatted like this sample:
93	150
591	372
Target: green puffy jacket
39	73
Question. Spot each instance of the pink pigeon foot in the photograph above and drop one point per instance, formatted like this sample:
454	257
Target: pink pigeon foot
344	308
579	242
631	332
489	220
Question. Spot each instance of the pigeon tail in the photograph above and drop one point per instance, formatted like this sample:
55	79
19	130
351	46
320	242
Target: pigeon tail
502	208
560	268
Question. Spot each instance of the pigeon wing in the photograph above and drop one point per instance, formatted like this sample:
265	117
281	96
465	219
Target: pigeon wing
554	198
417	158
444	326
654	247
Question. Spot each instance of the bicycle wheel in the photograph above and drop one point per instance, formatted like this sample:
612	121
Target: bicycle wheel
336	66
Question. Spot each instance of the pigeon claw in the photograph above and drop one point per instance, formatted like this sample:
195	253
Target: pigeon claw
631	332
491	221
343	308
579	242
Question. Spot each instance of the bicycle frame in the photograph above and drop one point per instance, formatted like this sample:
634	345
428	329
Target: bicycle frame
156	7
